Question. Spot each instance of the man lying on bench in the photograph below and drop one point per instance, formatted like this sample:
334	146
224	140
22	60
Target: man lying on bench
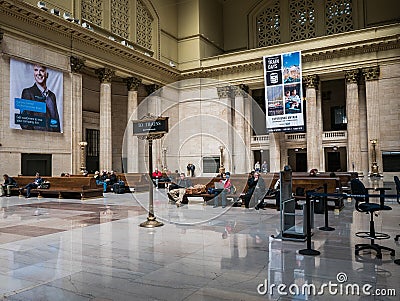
178	190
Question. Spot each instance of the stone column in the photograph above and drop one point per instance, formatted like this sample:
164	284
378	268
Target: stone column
371	76
275	151
239	155
363	127
226	95
353	120
77	65
105	160
154	108
132	145
313	123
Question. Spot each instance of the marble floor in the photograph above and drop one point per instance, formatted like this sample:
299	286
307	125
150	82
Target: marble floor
53	249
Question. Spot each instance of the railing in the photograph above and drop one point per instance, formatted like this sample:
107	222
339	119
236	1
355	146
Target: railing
335	135
260	139
338	136
295	137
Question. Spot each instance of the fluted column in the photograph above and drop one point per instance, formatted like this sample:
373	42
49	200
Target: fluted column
363	127
353	120
313	123
77	65
371	76
275	151
226	95
132	150
239	156
105	76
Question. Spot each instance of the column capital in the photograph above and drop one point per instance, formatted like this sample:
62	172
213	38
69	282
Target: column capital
133	83
152	88
311	81
104	74
224	92
240	90
371	73
76	64
352	76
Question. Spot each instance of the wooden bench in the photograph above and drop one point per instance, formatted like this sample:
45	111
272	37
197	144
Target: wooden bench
344	177
239	182
135	181
313	183
63	187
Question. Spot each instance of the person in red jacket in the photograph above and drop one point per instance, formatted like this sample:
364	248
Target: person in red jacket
156	175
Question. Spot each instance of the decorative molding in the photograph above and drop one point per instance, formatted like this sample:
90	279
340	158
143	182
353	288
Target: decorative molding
307	56
224	92
27	16
352	76
371	73
76	64
105	75
133	83
311	81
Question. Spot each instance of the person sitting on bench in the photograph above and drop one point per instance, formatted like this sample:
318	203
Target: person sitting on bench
179	190
35	184
7	185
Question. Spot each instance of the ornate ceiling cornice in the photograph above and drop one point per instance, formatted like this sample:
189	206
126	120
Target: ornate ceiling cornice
72	35
307	56
28	21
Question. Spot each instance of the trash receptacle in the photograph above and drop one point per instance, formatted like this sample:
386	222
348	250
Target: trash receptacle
319	205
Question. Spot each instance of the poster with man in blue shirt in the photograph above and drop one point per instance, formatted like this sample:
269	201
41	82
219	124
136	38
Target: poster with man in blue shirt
37	107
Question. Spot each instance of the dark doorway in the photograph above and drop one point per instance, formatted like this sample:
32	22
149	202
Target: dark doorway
333	163
391	161
32	163
257	157
93	150
301	161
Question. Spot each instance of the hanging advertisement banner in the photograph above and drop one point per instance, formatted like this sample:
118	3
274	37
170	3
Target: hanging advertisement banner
283	92
36	97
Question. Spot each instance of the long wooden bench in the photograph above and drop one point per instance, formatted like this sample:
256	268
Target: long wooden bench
239	182
312	183
135	181
63	187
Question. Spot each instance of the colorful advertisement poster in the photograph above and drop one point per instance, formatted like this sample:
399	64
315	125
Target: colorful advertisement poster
283	92
36	94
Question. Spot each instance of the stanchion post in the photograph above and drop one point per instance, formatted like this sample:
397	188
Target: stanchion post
151	219
325	199
150	128
309	251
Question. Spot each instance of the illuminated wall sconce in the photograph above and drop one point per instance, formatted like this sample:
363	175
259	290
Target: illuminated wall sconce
55	12
87	26
335	148
67	16
42	5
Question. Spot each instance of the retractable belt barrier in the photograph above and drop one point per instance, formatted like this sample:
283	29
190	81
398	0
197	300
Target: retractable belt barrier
346	195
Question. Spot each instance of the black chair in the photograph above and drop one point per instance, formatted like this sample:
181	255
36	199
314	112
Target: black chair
397	182
363	205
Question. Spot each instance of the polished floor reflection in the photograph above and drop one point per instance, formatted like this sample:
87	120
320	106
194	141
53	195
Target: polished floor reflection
53	249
